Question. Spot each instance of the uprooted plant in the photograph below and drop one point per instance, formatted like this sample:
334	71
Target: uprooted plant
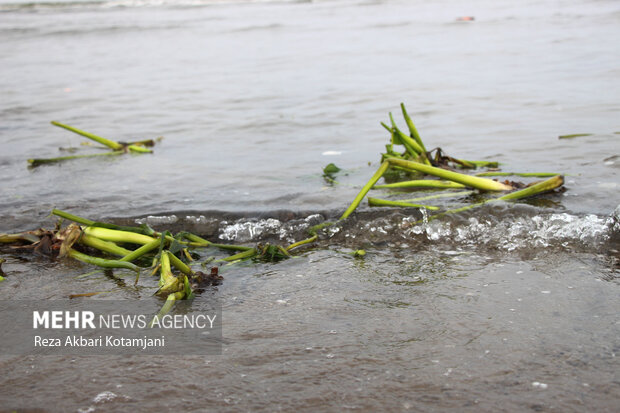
140	248
116	148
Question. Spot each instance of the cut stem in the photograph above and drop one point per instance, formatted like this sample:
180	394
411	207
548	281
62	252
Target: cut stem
118	236
107	142
240	256
302	242
105	246
165	309
482	164
523	174
412	129
448	195
421	183
101	262
413	147
72	217
180	265
482	184
42	161
384	166
536	189
376	202
574	135
135	254
139	149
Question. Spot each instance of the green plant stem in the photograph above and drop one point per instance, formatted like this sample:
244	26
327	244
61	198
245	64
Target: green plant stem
536	189
376	202
574	135
118	236
384	166
240	256
302	242
135	254
315	228
105	246
180	265
523	174
139	149
24	236
421	183
231	247
448	195
482	184
144	142
195	238
107	142
412	129
483	164
201	242
72	217
100	262
414	148
42	161
168	283
165	309
406	138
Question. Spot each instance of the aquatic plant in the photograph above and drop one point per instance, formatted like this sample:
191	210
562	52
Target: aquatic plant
140	248
414	160
117	148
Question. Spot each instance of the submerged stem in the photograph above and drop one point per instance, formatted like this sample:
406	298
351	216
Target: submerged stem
240	256
523	174
302	242
376	202
101	262
536	189
42	161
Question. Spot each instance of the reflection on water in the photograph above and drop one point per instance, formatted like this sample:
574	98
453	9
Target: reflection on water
510	305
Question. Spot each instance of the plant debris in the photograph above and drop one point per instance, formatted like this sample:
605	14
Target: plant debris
405	164
117	148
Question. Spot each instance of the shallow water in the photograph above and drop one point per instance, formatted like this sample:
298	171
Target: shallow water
506	305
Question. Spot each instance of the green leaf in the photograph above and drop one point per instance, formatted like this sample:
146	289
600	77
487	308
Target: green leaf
331	169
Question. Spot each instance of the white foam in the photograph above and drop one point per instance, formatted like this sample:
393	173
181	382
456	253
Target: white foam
105	396
522	232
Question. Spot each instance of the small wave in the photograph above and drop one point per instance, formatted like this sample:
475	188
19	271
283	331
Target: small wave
88	4
245	230
507	228
561	230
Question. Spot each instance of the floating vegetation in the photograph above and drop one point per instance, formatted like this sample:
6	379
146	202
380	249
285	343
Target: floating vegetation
141	249
574	135
117	148
406	164
426	167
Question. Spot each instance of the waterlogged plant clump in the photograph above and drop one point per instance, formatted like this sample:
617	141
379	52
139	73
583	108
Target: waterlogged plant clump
436	170
142	249
405	164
